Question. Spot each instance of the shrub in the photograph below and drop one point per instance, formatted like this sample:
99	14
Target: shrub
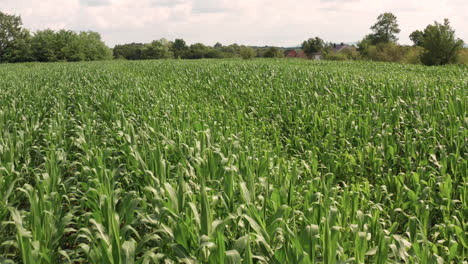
247	53
463	56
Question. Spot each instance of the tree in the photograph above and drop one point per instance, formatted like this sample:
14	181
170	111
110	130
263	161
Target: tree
43	45
157	50
385	29
132	51
247	53
440	44
179	47
312	45
417	37
273	52
14	40
93	47
65	45
196	51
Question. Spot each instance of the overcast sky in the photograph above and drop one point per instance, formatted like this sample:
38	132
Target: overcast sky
250	22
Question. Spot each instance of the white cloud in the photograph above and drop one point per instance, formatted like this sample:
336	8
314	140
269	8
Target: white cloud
255	22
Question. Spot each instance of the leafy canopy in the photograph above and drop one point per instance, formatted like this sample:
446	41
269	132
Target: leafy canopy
385	29
313	45
440	44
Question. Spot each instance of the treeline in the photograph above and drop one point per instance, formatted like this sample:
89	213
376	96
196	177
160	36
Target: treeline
164	49
435	45
20	45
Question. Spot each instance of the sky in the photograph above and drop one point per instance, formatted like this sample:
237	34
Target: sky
249	22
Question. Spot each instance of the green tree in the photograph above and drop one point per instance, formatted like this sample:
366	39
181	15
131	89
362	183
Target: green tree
313	45
197	51
132	51
440	44
92	46
179	48
247	53
44	45
14	40
157	50
273	52
417	37
385	29
65	45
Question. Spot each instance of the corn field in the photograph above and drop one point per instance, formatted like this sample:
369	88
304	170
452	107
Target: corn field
230	161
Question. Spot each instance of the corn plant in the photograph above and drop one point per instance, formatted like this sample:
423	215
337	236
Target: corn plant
229	161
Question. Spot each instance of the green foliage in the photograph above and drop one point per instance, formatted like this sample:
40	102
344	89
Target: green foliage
313	45
412	55
49	46
44	47
463	56
17	45
179	47
417	37
247	53
132	51
230	161
156	50
14	40
200	51
345	54
385	29
389	52
273	52
440	44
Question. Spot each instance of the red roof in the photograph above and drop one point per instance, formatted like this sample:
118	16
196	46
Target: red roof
291	54
295	54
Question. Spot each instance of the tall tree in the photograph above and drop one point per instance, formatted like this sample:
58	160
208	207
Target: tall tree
417	37
179	47
273	52
157	50
440	44
14	40
385	29
247	53
312	45
44	45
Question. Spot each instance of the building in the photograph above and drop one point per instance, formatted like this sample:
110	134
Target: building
341	47
295	54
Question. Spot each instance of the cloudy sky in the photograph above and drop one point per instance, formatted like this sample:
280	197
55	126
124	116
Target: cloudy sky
250	22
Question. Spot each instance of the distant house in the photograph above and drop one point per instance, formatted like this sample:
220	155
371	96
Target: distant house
295	54
318	55
290	54
335	48
341	47
301	55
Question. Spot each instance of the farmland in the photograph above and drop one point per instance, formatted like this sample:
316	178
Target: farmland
229	161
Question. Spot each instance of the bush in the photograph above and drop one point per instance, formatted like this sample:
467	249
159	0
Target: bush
273	52
412	55
247	53
389	52
463	56
440	44
336	56
345	54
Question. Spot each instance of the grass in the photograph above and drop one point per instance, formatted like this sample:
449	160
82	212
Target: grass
229	161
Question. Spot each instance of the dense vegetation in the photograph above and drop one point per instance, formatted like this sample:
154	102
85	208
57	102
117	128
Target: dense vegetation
230	161
19	45
436	45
